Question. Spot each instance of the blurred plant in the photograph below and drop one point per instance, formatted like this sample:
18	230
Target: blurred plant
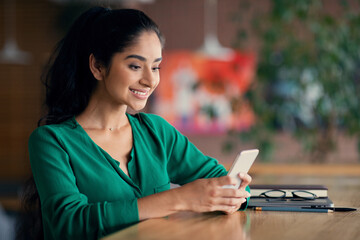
308	75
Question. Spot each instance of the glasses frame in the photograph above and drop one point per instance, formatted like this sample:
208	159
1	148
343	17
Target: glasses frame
295	196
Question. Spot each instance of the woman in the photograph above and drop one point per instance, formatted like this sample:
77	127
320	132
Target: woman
99	169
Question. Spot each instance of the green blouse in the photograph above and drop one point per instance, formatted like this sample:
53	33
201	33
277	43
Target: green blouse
83	192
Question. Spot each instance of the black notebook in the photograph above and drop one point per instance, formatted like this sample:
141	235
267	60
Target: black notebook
258	200
263	202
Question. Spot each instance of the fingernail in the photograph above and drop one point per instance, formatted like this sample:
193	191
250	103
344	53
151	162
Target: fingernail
241	175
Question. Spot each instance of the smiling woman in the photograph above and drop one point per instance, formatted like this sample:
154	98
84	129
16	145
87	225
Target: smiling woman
96	168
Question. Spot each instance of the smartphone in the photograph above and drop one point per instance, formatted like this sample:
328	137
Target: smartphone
242	163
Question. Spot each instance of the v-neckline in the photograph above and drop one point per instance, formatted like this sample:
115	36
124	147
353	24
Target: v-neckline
108	156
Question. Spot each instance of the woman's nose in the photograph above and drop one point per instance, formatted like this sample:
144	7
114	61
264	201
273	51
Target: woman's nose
150	78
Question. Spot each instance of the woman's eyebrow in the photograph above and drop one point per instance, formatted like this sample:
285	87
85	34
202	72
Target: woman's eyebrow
141	58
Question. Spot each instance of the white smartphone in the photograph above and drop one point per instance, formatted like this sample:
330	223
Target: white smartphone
242	163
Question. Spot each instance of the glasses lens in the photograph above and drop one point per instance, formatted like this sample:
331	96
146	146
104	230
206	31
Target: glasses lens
304	194
275	194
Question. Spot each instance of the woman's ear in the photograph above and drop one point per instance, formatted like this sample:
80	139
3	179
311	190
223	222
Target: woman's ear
97	70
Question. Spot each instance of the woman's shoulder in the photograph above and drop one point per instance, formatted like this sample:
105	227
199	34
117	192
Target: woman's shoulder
52	129
148	118
152	121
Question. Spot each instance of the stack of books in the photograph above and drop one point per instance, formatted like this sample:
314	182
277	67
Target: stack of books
289	197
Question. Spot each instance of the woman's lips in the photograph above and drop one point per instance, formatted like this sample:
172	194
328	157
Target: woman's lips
141	94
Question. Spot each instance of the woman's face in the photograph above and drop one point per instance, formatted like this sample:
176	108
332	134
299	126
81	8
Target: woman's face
134	73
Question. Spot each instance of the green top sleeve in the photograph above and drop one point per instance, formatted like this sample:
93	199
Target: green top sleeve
65	209
185	162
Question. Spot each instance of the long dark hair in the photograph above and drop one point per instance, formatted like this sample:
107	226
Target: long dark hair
69	82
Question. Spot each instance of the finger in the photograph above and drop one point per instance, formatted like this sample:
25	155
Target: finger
234	193
229	208
245	180
225	209
234	202
226	180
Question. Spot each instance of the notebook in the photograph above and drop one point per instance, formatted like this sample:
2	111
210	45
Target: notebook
263	202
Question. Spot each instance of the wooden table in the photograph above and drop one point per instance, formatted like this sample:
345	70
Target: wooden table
343	190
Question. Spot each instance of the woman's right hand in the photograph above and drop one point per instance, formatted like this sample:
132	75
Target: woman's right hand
207	195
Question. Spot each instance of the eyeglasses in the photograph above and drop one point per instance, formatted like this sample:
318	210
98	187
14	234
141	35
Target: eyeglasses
280	195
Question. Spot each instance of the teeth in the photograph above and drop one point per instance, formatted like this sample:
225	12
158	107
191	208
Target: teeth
139	93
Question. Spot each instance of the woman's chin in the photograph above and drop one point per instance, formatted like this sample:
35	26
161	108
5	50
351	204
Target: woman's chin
136	108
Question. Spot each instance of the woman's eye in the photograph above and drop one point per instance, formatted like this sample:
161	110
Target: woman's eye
134	67
156	69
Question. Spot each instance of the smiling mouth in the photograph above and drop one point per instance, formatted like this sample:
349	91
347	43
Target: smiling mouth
139	93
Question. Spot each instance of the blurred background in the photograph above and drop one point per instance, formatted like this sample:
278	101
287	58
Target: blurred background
281	76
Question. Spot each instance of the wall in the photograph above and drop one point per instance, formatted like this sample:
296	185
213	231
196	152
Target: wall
20	86
21	91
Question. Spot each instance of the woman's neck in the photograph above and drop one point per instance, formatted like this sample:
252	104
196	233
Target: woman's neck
102	115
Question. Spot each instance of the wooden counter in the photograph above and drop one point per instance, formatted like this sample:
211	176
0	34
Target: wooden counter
343	190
